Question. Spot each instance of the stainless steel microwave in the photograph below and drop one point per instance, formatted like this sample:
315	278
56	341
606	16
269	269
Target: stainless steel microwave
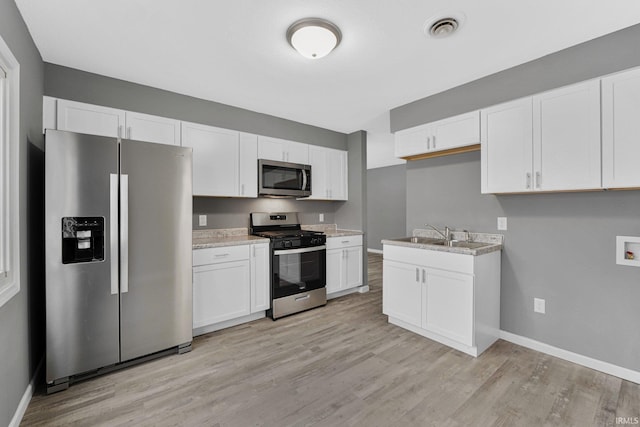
282	179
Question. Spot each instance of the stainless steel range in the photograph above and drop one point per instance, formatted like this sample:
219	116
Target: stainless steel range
298	263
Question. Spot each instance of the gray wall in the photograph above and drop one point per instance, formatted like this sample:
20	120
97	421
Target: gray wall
386	204
560	247
76	85
613	52
21	324
352	214
232	213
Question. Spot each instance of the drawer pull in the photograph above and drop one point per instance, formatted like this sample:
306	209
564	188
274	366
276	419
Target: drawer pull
307	296
345	241
222	255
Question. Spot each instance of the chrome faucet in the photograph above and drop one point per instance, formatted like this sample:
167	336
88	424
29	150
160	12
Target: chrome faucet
447	232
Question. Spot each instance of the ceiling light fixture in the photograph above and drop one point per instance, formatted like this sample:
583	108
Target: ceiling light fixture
314	37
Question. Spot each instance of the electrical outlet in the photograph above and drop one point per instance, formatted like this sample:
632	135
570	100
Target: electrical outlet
502	223
321	217
539	305
202	220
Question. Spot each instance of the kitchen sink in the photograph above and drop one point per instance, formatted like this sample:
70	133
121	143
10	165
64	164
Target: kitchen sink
421	240
442	242
460	244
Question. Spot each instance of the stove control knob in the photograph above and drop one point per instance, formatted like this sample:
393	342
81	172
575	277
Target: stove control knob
287	243
314	241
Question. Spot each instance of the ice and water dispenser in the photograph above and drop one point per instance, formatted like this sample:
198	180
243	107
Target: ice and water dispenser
82	239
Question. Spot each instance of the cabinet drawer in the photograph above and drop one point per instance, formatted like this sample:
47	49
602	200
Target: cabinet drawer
344	242
461	263
222	254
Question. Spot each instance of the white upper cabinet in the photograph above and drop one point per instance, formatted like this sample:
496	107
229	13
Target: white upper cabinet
216	159
566	137
329	179
144	127
451	133
282	150
224	161
457	131
507	141
90	119
412	142
621	130
319	173
548	142
248	184
338	177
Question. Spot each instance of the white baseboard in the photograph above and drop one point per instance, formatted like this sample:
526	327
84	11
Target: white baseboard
26	398
598	365
375	251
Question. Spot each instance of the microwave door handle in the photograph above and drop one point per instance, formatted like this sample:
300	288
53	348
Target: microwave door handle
304	179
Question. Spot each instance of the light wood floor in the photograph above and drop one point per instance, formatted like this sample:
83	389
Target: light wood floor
341	365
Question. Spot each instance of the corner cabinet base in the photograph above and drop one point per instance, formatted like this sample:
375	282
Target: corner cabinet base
472	351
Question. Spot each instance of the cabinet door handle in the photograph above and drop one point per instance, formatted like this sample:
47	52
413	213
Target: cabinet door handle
528	180
242	189
418	275
434	142
428	143
538	179
253	251
424	276
119	131
129	131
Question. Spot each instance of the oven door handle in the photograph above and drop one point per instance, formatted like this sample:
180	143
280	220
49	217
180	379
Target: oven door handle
300	251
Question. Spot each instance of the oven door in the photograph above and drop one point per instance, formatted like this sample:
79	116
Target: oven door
298	270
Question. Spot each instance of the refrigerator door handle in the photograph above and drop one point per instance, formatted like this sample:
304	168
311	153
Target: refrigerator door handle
113	231
124	233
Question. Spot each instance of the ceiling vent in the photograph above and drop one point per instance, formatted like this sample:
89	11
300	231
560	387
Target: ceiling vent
443	25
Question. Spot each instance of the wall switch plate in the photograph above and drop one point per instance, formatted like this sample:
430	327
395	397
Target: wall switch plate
502	223
321	217
202	220
539	305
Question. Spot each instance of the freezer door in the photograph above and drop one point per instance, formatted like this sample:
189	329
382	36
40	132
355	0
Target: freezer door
156	225
82	289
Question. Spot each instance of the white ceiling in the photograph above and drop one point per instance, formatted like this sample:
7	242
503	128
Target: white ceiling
235	52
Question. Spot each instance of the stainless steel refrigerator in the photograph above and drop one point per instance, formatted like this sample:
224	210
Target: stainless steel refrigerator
118	253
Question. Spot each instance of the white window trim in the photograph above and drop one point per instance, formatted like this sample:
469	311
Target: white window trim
10	168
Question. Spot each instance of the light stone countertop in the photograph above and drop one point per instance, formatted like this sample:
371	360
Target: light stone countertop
332	230
220	237
494	242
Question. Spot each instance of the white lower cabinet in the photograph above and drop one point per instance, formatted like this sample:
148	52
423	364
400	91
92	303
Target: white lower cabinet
449	305
260	295
402	292
451	298
230	286
344	263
